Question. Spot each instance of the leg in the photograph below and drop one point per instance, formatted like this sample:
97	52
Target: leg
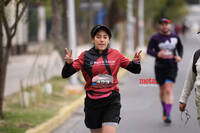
162	100
168	93
111	116
160	79
108	129
169	81
166	78
93	116
168	99
162	93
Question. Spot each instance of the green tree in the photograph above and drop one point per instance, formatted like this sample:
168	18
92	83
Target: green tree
116	12
155	9
173	9
192	1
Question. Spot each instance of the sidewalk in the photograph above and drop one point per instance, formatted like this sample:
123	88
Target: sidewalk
21	68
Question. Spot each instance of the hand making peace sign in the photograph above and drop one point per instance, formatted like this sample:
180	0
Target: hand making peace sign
137	56
68	57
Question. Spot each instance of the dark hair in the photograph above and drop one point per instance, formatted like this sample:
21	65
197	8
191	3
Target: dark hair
97	28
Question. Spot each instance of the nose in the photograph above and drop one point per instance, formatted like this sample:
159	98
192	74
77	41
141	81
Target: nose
102	39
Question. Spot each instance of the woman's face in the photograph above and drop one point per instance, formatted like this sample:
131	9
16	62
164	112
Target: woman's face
101	40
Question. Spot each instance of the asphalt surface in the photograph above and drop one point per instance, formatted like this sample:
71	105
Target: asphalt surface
141	109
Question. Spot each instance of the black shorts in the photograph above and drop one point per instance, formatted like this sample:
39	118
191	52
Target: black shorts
163	73
102	110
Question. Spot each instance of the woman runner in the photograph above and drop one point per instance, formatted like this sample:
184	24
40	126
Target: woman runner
99	66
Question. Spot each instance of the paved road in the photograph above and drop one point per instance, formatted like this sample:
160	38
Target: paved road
141	110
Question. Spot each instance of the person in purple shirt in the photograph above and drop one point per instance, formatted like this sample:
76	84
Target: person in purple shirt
167	49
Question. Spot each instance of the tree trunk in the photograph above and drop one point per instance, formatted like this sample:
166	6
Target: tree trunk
5	50
2	69
64	5
136	26
113	14
56	29
4	56
122	35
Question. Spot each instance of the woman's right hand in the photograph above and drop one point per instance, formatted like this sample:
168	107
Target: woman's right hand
68	57
161	54
182	106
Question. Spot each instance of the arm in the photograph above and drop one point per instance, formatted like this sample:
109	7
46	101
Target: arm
188	85
68	70
151	48
180	48
71	66
132	66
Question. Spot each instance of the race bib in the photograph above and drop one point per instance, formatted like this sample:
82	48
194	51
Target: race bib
102	81
168	52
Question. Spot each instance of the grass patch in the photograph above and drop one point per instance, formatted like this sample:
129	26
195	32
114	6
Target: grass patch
18	119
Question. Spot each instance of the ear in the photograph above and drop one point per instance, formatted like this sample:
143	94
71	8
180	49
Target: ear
92	40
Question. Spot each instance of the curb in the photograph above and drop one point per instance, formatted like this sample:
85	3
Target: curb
61	116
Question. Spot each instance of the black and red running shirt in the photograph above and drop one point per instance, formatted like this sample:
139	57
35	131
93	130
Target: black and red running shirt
91	63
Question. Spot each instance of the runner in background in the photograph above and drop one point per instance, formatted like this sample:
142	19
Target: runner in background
164	46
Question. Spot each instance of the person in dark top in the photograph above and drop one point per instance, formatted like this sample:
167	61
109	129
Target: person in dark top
99	66
167	49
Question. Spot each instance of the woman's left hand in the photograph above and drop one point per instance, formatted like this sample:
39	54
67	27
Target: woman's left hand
137	56
177	58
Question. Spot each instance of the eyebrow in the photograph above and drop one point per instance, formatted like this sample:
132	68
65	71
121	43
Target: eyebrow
101	35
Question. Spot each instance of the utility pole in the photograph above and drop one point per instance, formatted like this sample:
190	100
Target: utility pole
130	27
141	23
72	35
42	23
